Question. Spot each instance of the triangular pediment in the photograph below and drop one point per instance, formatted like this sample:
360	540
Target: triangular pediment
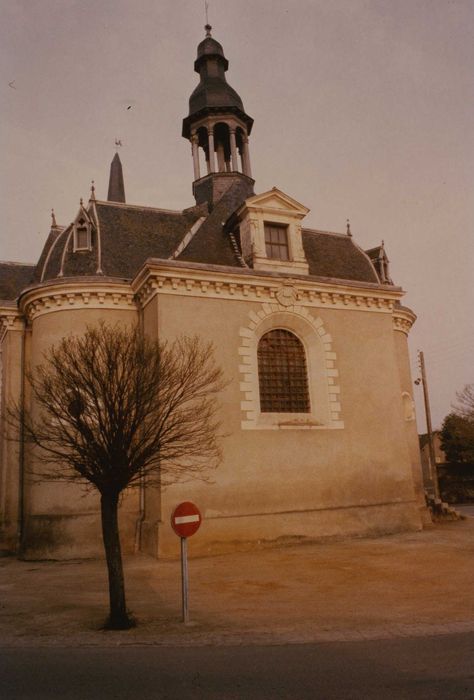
83	217
276	200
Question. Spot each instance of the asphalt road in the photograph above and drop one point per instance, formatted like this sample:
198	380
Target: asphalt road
428	668
466	509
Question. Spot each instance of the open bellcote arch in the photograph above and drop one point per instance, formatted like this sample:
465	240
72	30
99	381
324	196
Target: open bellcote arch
323	409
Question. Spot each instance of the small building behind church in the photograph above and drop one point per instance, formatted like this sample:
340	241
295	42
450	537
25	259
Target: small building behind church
321	437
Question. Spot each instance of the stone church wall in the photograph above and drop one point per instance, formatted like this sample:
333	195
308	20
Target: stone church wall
62	520
297	482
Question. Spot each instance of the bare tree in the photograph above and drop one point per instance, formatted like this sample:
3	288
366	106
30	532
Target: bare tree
465	405
457	431
116	407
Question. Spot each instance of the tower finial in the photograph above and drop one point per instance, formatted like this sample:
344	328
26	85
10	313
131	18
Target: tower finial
348	227
53	219
92	189
81	202
207	25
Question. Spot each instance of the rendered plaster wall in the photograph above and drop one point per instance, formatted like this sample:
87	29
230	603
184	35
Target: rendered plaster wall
62	520
298	482
406	386
11	354
151	523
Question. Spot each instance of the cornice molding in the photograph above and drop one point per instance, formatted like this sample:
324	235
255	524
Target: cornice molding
159	278
87	295
403	320
11	319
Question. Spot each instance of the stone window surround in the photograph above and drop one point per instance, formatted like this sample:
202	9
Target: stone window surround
324	393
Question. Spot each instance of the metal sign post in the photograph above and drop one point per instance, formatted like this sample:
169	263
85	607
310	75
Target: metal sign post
185	521
184	579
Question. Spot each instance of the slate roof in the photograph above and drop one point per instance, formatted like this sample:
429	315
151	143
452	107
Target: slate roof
129	235
336	255
13	278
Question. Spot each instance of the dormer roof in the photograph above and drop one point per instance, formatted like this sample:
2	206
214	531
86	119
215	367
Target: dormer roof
277	201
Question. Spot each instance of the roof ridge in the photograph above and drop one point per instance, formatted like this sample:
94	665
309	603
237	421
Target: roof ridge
16	262
125	205
326	233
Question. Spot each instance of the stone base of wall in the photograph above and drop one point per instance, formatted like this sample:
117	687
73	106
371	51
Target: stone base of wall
219	535
8	539
78	536
63	537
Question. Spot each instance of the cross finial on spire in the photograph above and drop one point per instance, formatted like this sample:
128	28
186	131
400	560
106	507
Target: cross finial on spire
348	227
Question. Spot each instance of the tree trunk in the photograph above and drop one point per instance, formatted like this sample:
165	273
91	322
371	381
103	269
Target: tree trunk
110	533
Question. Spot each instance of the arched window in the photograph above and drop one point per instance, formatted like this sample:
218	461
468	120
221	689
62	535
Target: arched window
282	375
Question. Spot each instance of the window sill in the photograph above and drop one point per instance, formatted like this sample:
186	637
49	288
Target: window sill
277	424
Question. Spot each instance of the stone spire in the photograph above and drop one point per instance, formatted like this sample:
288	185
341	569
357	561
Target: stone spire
116	185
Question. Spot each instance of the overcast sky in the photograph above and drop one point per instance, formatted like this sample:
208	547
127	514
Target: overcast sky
363	109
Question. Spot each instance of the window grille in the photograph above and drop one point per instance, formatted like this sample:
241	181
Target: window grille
276	241
282	374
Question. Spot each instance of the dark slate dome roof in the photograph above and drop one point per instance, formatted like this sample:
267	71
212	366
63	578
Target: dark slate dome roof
210	46
213	95
213	89
214	92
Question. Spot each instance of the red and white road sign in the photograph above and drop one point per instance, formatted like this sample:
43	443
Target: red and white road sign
186	519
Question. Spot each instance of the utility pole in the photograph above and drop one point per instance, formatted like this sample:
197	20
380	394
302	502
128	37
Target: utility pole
429	430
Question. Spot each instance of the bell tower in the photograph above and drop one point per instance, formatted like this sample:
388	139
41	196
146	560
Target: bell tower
217	127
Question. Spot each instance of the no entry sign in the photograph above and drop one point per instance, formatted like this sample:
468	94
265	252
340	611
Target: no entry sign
186	519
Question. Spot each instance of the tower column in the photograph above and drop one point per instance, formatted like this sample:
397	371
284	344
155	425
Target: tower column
220	158
210	136
195	149
246	154
233	151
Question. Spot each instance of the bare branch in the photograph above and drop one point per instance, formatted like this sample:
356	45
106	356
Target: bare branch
114	406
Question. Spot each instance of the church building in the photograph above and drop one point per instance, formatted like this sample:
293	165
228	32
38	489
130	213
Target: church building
309	329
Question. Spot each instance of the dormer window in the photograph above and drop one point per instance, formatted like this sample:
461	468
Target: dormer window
82	235
276	241
270	233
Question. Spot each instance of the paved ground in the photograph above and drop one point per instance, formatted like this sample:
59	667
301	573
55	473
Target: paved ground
466	509
412	584
430	668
